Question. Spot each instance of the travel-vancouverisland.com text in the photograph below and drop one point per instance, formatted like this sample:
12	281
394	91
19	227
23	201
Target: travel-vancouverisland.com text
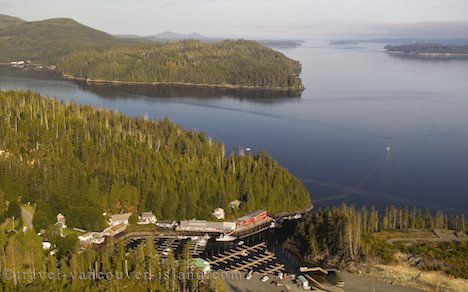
11	275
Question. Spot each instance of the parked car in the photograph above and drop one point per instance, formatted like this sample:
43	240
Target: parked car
249	275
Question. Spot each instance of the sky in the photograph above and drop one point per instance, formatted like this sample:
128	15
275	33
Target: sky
256	18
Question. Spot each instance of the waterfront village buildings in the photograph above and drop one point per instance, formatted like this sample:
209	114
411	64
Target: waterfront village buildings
118	224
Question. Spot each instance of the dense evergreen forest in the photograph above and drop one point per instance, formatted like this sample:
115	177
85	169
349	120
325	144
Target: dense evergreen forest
84	52
344	233
82	161
426	48
26	267
230	63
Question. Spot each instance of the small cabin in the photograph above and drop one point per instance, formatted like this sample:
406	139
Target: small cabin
119	219
147	218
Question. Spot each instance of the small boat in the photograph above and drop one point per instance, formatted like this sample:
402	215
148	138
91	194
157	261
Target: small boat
248	149
203	241
225	237
388	148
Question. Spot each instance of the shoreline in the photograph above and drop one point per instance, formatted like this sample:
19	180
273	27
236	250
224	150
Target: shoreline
183	84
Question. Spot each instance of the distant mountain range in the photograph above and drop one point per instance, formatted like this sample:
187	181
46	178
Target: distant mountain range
169	36
172	36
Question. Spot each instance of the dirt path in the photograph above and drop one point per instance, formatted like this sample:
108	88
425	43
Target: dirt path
27	217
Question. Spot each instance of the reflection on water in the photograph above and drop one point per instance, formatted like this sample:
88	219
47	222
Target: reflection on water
172	91
160	91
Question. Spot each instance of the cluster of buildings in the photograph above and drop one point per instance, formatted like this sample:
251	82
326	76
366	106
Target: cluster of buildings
228	230
118	224
27	64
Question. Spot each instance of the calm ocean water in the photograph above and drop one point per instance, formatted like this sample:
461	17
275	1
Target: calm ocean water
358	101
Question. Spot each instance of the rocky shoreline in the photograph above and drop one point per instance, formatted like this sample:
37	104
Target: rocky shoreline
184	84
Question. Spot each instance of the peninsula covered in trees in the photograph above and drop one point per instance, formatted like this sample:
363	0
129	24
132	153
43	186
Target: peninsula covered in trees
427	49
82	161
82	52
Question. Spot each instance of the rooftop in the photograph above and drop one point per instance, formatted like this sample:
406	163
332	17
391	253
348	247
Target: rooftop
123	216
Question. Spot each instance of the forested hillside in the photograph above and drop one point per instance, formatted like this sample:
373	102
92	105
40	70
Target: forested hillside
82	161
25	266
47	41
237	63
84	52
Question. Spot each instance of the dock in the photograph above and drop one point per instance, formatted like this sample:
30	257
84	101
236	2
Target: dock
246	258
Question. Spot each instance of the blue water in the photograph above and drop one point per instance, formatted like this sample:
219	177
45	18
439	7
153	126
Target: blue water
358	101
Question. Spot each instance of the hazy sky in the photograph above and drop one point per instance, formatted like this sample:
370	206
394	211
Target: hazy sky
244	18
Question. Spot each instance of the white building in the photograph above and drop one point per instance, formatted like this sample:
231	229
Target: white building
119	219
219	213
147	218
61	221
205	226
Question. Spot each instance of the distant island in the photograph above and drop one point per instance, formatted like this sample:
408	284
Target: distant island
428	50
343	42
83	53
